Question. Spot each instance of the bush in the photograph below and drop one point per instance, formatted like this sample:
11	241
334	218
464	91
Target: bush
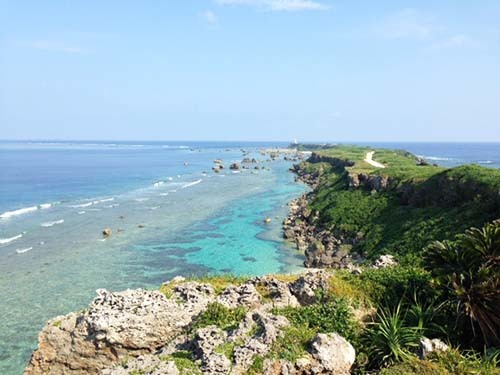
220	316
332	316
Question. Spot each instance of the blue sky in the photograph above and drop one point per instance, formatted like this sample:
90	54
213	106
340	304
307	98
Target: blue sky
250	70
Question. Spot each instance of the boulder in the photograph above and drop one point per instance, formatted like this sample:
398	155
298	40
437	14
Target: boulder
385	261
333	353
234	167
107	232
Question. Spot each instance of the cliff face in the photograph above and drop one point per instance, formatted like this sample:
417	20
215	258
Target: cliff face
146	332
350	215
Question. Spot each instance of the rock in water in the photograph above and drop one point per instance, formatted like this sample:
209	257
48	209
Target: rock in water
107	232
267	220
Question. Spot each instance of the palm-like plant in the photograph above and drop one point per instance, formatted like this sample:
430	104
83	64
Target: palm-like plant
469	270
390	339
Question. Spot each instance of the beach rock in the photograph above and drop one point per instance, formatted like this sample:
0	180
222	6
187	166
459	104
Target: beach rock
333	353
428	346
107	232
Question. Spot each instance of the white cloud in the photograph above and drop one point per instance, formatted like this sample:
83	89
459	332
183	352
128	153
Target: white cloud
277	5
408	23
209	17
57	47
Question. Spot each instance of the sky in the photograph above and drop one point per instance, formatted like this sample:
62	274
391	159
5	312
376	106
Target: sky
312	70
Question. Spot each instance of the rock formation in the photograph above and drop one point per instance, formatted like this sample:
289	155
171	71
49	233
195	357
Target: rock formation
143	332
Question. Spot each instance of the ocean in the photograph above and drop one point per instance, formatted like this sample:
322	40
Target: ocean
169	213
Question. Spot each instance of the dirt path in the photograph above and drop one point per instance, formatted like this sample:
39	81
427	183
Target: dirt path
369	160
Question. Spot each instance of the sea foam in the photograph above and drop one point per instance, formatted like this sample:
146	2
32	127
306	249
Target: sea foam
49	224
192	183
25	250
21	211
4	241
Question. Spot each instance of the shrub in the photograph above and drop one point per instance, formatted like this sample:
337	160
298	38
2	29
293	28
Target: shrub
469	272
220	316
332	316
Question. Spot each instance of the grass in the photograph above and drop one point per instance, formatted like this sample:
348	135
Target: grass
400	165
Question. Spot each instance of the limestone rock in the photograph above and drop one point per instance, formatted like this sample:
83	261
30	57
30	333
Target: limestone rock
333	353
385	261
305	288
243	295
146	365
428	346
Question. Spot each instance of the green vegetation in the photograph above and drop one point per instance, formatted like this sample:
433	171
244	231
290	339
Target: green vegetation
420	203
220	316
184	363
334	315
468	272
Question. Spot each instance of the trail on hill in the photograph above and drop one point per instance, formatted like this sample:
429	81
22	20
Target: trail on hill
369	160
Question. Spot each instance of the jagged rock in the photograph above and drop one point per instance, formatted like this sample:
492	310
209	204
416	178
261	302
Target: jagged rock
385	261
145	364
334	355
116	325
242	295
260	344
305	288
279	292
207	339
216	364
428	346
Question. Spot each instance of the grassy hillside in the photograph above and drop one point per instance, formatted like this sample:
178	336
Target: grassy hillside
421	203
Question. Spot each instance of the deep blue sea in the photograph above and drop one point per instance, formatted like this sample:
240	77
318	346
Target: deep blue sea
170	215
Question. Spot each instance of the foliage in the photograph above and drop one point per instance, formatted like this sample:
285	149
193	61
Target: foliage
332	316
389	339
468	363
184	363
469	271
424	203
220	316
293	344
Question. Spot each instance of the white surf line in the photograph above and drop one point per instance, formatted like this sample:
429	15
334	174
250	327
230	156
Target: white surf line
369	160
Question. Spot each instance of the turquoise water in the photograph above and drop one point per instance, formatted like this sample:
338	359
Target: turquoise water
56	198
194	223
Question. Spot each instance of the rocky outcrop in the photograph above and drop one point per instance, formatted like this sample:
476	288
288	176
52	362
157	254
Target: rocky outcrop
322	247
143	332
116	325
370	182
